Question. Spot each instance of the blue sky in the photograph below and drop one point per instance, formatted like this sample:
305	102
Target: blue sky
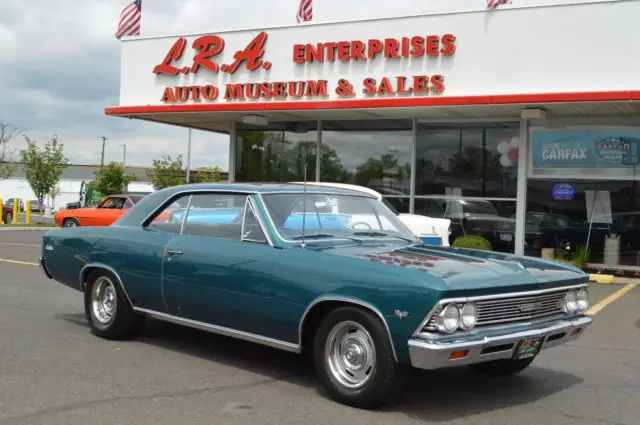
59	66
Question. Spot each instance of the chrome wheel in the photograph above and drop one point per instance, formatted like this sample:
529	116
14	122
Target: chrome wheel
70	223
104	300
350	354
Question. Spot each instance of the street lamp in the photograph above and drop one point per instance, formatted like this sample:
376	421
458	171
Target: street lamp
124	155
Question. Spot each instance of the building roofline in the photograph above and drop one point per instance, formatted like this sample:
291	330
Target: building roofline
460	10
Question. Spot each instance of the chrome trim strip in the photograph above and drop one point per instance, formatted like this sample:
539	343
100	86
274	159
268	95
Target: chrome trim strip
350	301
490	297
221	330
104	267
185	215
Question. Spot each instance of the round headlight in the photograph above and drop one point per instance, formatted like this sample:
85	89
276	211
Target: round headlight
468	316
570	302
449	319
583	299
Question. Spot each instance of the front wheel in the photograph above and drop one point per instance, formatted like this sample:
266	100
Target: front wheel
107	308
8	218
70	222
354	359
501	368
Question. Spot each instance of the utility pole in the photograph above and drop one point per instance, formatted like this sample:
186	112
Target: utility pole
124	155
104	141
188	158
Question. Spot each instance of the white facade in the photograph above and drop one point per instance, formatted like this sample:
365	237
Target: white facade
484	57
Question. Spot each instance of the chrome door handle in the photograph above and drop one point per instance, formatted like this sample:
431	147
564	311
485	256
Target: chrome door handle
172	252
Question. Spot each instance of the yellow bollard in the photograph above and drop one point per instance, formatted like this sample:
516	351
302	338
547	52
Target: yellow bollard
15	211
27	212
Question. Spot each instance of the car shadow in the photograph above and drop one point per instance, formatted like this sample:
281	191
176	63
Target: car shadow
432	396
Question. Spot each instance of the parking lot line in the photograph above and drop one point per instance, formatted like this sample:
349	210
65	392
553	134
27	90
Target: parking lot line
20	244
24	263
611	298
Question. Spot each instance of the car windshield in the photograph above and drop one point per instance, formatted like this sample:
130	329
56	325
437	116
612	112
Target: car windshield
476	207
329	216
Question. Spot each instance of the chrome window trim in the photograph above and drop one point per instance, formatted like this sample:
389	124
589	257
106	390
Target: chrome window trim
107	268
507	295
249	192
221	330
285	240
251	206
186	213
176	195
349	301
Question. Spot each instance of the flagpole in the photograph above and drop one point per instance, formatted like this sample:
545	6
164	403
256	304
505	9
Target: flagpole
189	156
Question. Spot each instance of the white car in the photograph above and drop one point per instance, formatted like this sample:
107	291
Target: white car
433	231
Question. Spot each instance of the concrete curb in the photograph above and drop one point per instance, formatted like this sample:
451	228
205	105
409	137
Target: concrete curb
604	279
25	229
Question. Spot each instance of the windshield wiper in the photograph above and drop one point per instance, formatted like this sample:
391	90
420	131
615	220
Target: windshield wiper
324	235
374	233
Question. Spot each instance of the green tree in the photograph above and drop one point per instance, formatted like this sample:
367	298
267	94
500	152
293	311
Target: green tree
43	167
207	175
111	179
166	172
7	132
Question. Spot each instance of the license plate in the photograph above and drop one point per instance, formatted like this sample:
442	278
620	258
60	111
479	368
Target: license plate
507	237
528	347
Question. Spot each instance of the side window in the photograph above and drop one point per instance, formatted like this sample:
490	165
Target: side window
169	219
215	215
251	230
128	204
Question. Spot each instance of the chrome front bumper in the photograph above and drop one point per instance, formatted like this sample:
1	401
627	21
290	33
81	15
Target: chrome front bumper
436	355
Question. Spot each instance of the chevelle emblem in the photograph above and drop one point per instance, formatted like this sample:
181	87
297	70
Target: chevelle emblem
526	308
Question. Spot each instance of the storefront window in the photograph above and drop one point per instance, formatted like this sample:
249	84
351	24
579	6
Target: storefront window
275	156
375	154
493	220
584	196
473	162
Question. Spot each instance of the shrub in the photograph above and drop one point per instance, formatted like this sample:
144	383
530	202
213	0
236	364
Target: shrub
472	242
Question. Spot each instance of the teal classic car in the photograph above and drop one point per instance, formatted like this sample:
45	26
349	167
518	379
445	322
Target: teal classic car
355	290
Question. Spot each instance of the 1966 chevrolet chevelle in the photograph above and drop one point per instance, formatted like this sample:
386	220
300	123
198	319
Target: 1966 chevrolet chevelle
355	289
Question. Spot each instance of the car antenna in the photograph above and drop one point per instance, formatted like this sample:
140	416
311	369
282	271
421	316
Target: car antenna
304	198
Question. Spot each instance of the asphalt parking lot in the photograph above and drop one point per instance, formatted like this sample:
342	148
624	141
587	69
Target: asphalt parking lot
54	371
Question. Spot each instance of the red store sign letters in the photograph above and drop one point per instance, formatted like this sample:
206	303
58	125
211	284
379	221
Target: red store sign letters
208	48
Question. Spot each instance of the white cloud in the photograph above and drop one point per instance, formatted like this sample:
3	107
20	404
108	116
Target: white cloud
59	66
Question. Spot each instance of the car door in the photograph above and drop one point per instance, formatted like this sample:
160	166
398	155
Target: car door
218	271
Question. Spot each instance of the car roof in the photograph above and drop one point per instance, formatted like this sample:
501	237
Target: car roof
345	186
265	188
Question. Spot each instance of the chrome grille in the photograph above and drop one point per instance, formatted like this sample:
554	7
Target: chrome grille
512	309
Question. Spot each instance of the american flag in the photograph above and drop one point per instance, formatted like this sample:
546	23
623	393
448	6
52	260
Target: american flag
492	4
130	19
305	11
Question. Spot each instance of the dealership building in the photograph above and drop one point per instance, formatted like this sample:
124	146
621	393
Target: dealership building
519	124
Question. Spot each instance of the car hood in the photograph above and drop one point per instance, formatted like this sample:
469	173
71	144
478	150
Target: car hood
466	270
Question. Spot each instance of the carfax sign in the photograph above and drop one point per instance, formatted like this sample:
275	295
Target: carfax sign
607	153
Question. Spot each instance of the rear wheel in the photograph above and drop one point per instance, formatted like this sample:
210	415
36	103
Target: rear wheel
353	358
107	308
70	222
501	368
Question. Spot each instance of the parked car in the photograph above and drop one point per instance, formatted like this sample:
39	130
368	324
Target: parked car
7	213
9	203
306	270
108	211
35	206
432	230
